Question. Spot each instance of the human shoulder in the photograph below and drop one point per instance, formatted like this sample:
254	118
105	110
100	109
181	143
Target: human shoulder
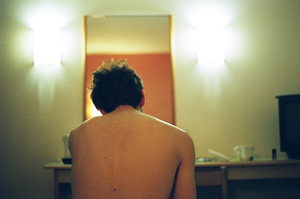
184	140
80	132
181	135
174	129
86	124
185	144
82	128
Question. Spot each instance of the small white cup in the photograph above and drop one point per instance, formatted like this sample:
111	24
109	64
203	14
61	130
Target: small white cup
244	152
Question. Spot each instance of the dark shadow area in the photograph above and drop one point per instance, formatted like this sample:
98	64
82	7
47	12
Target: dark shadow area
264	189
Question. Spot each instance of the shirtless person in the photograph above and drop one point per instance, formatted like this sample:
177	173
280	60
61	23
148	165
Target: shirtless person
126	153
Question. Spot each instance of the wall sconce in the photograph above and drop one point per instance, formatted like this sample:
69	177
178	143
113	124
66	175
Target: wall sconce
47	46
210	43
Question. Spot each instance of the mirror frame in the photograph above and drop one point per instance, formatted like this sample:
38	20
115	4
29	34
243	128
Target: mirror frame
87	112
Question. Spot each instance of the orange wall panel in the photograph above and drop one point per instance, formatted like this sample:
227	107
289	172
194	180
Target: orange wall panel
157	75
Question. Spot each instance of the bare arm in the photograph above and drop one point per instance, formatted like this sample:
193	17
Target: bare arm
184	187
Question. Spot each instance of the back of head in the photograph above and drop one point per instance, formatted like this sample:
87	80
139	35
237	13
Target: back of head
115	84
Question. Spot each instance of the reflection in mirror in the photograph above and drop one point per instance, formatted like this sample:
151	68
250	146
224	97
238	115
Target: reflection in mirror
145	42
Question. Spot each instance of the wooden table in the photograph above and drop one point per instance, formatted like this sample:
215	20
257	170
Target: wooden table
62	174
257	169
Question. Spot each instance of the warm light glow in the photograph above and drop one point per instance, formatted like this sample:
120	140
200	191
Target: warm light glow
47	46
210	43
209	22
95	112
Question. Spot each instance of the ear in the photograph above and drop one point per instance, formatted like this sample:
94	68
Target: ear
102	111
142	103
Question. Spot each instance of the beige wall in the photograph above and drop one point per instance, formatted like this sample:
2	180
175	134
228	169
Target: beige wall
221	109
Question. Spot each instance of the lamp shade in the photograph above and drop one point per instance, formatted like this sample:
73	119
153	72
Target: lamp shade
47	46
210	43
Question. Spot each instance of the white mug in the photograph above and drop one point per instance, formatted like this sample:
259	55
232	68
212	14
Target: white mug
244	152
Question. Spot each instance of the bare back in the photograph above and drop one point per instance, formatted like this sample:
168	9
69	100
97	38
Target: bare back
127	154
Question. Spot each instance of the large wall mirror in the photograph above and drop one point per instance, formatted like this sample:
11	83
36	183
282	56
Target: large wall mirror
145	42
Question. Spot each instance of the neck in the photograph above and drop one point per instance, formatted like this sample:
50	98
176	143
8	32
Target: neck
127	108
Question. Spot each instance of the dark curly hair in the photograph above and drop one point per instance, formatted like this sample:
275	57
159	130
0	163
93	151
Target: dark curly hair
115	84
